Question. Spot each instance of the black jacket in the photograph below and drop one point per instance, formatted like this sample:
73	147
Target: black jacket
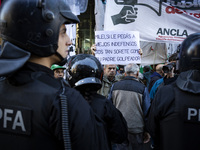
31	114
167	81
154	77
174	116
114	121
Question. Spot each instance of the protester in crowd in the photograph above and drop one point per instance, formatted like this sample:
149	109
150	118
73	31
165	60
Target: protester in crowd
119	72
120	69
86	73
147	72
131	97
110	74
170	75
58	71
158	74
34	106
173	121
109	78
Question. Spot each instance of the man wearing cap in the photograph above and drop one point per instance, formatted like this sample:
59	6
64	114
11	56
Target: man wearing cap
58	71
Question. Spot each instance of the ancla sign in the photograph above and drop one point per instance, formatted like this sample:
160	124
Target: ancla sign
156	21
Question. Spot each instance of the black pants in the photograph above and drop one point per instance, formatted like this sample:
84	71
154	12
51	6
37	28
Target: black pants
135	143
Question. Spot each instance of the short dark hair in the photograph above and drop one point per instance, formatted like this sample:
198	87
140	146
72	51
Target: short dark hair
173	57
146	68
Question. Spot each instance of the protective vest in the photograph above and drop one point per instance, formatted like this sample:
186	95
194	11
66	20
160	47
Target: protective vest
30	113
181	128
24	116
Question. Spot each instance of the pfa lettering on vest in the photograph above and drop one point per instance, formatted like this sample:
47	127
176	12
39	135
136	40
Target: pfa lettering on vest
15	120
192	114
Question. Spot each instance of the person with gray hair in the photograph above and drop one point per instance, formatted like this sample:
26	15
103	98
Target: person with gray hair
131	97
132	69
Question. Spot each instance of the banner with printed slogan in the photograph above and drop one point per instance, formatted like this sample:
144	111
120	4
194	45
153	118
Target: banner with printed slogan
163	21
117	47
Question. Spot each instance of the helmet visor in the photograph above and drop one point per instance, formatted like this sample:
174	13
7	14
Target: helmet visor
65	10
77	6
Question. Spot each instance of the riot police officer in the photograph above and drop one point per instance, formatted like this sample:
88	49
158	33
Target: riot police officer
34	106
174	117
85	75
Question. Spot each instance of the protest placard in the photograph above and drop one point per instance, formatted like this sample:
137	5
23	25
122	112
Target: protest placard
163	21
117	47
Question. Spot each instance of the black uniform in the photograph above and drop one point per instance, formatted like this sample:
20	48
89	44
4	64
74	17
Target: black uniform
115	123
85	75
174	117
30	113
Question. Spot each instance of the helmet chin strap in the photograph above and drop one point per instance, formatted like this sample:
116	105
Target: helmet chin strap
63	60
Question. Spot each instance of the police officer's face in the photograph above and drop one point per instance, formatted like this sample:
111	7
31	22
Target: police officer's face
63	42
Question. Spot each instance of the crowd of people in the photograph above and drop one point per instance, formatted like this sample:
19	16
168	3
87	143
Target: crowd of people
50	102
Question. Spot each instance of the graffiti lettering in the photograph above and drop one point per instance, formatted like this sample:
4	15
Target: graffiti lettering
184	4
174	10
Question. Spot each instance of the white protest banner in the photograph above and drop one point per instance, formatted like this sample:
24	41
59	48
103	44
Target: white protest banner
71	31
165	21
117	47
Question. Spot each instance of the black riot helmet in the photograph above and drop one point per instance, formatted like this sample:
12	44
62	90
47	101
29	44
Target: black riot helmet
85	72
33	25
189	53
